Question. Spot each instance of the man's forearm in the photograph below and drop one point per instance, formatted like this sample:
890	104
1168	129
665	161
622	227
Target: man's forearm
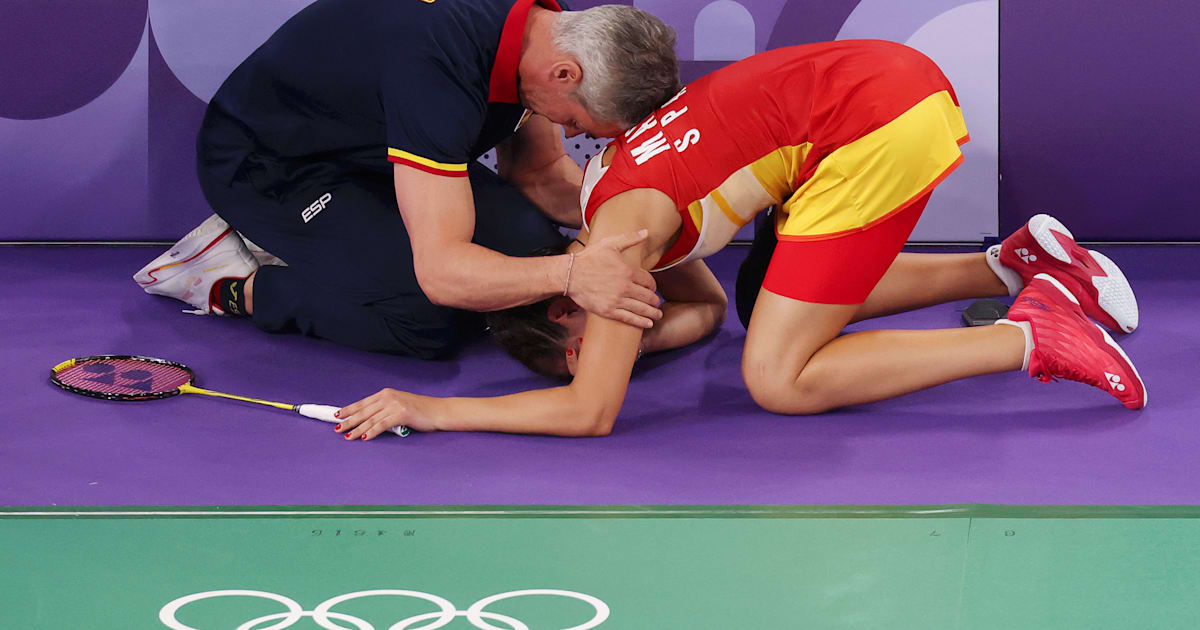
472	277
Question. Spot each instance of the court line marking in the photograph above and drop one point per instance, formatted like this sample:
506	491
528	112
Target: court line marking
647	513
965	510
451	513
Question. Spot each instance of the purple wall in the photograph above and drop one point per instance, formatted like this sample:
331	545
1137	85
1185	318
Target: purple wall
1098	116
97	124
73	132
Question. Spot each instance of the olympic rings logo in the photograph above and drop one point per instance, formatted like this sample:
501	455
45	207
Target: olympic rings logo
323	616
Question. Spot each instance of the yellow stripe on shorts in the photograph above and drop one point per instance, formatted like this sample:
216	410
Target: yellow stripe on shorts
868	179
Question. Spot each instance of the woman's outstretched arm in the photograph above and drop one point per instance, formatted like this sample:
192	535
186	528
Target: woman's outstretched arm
589	405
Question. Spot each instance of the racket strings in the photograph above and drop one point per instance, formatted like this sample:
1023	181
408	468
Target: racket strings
124	377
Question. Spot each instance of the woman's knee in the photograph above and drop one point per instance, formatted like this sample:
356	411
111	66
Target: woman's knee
778	389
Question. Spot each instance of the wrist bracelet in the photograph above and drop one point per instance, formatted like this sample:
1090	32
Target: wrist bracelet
570	265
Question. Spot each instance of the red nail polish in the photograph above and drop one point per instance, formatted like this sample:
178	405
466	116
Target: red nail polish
363	437
348	436
570	352
337	414
337	428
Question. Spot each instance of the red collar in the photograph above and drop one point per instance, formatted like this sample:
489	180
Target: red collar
503	85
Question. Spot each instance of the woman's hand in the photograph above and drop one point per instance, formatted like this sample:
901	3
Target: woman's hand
381	411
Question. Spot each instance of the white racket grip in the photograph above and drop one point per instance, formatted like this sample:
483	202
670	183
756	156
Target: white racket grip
325	412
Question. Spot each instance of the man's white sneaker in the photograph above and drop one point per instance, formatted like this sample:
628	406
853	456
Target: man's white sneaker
211	252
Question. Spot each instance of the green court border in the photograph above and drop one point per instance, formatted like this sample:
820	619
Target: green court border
962	510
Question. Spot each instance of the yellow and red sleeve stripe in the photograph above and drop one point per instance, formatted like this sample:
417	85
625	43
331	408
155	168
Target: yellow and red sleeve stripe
426	164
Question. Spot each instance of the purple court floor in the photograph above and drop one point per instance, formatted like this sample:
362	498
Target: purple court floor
689	433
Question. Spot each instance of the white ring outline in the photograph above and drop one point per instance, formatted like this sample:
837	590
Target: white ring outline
446	615
514	624
475	612
167	614
357	621
322	615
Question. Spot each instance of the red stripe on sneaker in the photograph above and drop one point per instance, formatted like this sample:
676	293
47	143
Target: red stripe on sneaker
193	257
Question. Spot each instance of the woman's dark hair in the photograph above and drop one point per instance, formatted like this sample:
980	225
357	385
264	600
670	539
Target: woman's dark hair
527	334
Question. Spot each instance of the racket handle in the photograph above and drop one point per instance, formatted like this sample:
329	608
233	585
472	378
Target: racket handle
325	412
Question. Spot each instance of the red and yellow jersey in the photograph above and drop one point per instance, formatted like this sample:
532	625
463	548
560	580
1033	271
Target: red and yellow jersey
839	135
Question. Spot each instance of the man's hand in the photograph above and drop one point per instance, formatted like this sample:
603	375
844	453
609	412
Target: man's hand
375	414
602	282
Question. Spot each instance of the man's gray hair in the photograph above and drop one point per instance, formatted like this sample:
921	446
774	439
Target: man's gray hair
628	60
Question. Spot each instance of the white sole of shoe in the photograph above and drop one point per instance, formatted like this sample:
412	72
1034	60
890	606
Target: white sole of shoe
1110	341
1113	291
1041	227
1114	294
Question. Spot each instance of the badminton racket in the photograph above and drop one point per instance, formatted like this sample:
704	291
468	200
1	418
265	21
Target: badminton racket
131	378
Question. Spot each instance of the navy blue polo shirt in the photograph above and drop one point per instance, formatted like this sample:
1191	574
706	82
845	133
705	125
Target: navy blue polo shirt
431	84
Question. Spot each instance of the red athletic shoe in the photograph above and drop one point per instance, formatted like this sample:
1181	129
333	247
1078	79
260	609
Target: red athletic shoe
1067	345
1044	245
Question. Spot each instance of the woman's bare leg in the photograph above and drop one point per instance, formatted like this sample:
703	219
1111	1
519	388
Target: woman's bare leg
918	280
795	363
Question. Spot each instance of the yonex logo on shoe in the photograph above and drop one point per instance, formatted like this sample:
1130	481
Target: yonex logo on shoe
1025	256
316	207
1114	381
1035	303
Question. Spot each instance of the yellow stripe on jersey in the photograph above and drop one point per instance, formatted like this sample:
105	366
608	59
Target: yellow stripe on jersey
413	157
729	213
721	213
741	196
868	179
779	170
696	209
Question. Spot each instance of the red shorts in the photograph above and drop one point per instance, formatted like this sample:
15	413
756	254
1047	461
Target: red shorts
841	270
